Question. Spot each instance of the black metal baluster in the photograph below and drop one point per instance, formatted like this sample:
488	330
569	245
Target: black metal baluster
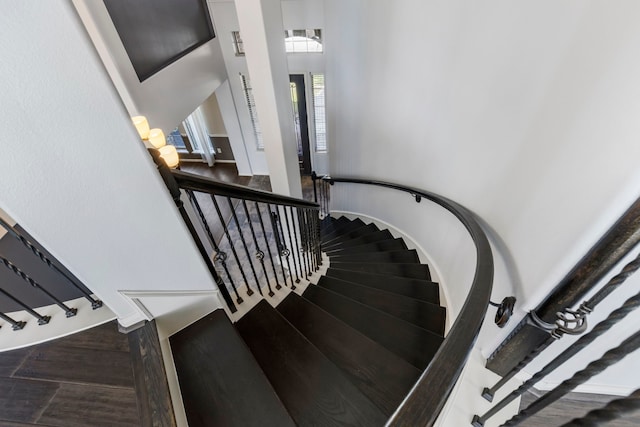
37	252
233	249
314	177
293	247
316	219
259	252
266	242
611	411
284	252
312	229
614	317
309	230
323	197
556	333
610	358
69	312
244	244
297	228
15	325
220	255
42	320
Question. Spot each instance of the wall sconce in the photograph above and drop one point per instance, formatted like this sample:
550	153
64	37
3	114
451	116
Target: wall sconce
156	139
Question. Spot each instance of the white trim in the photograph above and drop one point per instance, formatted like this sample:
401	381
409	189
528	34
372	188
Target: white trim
218	135
229	161
435	271
588	388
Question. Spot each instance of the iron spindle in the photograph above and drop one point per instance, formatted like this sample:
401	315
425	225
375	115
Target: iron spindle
309	224
68	311
610	358
15	325
42	320
244	244
611	411
266	242
314	177
284	252
293	247
37	252
233	249
259	252
614	317
316	234
277	237
557	332
298	227
220	255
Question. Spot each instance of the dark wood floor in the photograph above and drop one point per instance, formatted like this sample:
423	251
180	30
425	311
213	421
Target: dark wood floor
81	380
573	405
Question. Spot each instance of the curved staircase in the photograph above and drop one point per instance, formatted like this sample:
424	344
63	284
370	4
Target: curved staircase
345	352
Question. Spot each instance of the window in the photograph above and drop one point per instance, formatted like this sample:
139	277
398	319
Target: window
303	41
320	124
238	46
251	104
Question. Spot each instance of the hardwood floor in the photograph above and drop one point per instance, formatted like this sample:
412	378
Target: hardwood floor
81	380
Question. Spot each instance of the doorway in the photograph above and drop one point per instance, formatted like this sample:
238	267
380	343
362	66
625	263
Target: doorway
299	101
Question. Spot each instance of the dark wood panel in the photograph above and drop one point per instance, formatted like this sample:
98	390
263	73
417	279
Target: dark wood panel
423	314
415	345
381	375
415	288
313	389
76	405
412	271
57	362
221	383
151	385
22	400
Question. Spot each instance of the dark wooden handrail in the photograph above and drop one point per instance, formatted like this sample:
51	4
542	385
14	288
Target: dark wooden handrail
426	399
189	181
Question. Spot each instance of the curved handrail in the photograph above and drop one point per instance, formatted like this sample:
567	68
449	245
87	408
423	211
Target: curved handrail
426	399
189	181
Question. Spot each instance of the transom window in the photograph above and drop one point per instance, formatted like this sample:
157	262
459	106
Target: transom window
303	41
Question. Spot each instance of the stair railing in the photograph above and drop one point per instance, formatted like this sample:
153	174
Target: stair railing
258	240
425	401
29	298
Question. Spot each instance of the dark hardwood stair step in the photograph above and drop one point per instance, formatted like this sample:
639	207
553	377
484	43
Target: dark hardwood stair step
381	375
362	240
385	245
412	271
407	257
415	288
220	381
420	313
313	389
347	235
329	223
341	225
412	343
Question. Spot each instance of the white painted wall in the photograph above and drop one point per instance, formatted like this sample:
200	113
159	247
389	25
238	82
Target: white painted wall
526	113
76	175
170	95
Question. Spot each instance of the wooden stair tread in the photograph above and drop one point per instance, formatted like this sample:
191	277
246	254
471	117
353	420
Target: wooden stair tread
385	245
221	382
346	235
413	271
408	256
420	313
362	240
313	389
414	344
415	288
381	375
342	224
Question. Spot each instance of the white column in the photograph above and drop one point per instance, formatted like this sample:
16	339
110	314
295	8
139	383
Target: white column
263	36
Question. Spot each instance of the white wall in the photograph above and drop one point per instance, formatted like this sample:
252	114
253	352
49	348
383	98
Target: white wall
170	95
76	175
524	112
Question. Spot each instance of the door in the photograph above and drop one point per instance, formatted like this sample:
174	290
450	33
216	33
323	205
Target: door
299	101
